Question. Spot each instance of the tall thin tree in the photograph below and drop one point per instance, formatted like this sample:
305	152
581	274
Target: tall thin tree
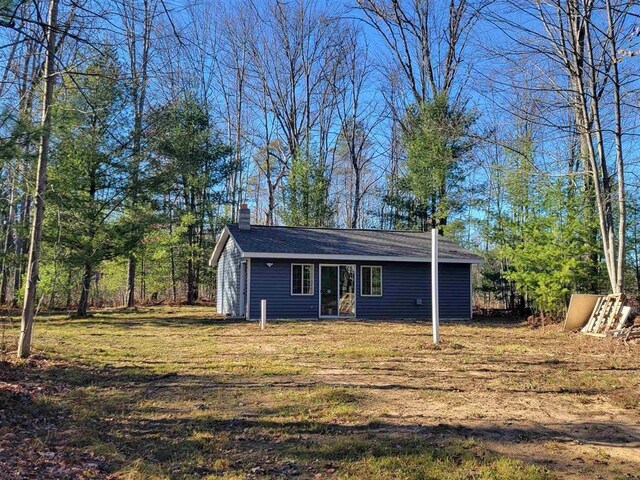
49	76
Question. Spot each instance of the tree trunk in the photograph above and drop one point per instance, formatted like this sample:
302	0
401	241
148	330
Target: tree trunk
637	268
172	252
174	288
143	285
83	304
272	203
28	310
191	275
356	196
131	282
190	282
52	297
20	245
8	240
97	300
69	283
139	78
617	102
588	119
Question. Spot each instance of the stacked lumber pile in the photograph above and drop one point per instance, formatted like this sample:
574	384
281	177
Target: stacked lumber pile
629	333
609	317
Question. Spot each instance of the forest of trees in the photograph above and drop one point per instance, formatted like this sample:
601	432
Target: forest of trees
132	130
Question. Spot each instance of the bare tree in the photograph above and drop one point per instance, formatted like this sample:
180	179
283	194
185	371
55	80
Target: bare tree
232	62
426	39
359	118
49	76
137	19
21	78
427	60
579	45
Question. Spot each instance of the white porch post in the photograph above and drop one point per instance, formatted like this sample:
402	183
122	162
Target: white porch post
435	310
247	310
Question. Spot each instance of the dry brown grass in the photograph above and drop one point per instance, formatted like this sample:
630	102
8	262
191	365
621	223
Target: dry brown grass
176	393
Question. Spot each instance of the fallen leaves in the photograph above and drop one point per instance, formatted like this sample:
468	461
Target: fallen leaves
33	444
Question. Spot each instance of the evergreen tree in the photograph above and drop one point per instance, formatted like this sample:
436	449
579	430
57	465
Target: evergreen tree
87	173
306	202
551	259
436	140
194	164
518	184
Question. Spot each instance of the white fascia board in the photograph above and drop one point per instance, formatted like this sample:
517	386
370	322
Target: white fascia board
222	241
361	258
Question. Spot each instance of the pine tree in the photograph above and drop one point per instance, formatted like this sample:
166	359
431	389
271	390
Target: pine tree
194	164
436	140
305	196
88	171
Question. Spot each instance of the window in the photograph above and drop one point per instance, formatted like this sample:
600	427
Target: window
301	279
371	281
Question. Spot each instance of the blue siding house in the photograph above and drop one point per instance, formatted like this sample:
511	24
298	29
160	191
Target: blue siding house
310	273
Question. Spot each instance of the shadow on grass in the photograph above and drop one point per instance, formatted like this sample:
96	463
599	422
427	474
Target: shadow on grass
118	319
105	413
204	315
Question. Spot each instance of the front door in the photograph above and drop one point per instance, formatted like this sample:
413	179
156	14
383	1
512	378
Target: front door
337	290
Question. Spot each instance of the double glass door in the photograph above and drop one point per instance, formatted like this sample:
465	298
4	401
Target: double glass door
337	290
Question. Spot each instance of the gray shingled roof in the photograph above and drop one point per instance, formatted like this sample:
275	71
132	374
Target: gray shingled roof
333	241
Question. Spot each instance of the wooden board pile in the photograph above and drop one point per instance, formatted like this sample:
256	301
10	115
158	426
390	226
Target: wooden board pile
609	317
631	332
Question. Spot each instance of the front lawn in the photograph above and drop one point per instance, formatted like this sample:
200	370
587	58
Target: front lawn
177	393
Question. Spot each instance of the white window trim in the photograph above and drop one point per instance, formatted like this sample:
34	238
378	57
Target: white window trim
312	280
355	289
371	281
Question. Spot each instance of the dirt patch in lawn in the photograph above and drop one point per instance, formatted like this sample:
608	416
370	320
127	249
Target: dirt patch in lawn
175	393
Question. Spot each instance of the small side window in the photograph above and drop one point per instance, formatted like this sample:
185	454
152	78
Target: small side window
371	281
301	279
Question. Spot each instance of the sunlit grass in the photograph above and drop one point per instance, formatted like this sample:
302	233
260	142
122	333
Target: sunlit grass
170	392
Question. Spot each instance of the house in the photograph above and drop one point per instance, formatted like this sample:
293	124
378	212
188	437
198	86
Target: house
328	273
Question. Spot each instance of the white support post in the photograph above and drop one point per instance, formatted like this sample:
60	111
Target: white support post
263	314
247	310
435	308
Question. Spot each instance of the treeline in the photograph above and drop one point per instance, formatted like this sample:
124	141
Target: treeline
508	124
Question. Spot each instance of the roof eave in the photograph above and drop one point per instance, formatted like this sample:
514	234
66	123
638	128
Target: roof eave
362	258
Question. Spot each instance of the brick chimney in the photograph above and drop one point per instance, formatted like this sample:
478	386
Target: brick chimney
244	217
